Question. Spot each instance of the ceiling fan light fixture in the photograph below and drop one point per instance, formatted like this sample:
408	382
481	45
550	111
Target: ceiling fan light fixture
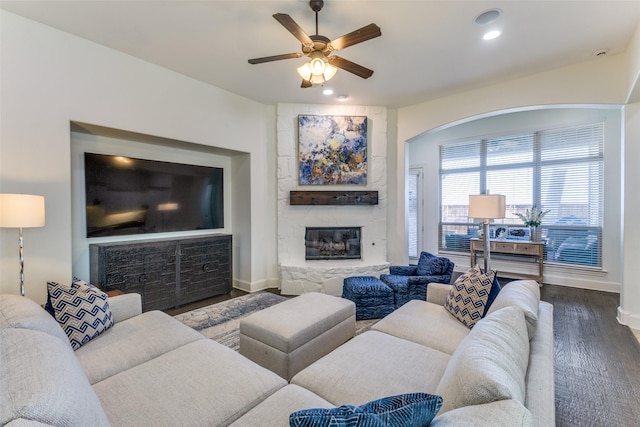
329	71
317	80
317	64
318	70
305	71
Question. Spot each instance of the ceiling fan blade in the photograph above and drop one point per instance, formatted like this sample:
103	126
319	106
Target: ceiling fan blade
275	58
351	67
293	28
358	36
306	83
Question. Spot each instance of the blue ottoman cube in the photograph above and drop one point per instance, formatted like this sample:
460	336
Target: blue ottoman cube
373	299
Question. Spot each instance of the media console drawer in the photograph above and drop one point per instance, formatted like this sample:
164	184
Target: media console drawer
167	272
513	248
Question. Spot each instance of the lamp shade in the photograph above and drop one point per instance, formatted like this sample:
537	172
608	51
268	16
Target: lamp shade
486	206
21	211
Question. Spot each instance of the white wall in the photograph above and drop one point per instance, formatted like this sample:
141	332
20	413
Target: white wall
629	310
423	150
633	75
50	78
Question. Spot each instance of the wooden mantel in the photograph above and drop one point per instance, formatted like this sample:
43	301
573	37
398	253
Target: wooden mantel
340	198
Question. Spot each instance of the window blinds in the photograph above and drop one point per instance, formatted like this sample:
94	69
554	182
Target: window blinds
559	170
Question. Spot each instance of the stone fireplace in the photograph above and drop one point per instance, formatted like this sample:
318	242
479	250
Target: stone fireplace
317	245
332	243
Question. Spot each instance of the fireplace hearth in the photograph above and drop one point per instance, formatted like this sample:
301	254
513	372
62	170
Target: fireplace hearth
333	243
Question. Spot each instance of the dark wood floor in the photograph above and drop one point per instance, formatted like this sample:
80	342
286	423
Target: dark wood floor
597	360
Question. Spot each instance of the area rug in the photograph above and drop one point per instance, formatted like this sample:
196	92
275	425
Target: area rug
221	321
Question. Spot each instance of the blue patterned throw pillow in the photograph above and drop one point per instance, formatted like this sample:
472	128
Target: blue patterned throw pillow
493	293
81	309
469	294
407	410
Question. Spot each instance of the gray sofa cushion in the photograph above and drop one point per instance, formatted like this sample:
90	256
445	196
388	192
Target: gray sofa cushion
437	293
200	383
490	364
125	306
502	413
275	410
23	313
371	366
424	323
132	342
540	375
41	381
524	294
26	423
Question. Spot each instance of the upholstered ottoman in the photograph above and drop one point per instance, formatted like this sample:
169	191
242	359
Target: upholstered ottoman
373	299
289	336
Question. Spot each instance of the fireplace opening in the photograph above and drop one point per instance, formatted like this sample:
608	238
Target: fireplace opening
332	243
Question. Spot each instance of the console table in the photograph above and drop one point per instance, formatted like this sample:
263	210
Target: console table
165	272
512	247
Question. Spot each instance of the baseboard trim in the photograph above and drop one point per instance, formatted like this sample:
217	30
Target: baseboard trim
584	284
627	318
259	285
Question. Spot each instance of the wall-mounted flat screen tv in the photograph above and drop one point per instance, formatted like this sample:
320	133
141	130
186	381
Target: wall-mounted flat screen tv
125	195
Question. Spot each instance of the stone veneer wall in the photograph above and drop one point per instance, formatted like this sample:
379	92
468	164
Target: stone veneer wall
296	274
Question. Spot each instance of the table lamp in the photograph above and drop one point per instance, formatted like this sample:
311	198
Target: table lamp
21	211
486	207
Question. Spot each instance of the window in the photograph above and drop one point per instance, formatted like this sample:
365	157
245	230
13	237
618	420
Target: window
559	170
415	211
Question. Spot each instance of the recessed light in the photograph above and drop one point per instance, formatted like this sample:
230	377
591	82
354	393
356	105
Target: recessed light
327	92
342	97
488	17
491	35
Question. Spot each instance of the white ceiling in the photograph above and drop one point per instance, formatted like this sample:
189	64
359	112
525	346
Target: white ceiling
427	49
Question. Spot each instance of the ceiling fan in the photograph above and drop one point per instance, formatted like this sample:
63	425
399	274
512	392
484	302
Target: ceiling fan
322	65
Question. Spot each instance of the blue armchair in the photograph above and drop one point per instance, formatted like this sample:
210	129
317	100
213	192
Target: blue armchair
410	281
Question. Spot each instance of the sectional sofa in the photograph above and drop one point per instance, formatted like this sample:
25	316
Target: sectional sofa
149	369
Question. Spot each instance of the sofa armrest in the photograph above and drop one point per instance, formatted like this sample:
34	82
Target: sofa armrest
437	293
540	376
125	306
403	270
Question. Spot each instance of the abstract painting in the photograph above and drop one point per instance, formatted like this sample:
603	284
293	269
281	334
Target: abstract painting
332	150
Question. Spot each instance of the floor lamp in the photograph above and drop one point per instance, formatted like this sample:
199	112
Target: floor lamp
21	211
486	207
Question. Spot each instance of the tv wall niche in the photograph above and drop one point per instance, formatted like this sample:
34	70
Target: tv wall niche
127	196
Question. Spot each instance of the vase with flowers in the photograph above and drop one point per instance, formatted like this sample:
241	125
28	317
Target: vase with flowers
532	218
